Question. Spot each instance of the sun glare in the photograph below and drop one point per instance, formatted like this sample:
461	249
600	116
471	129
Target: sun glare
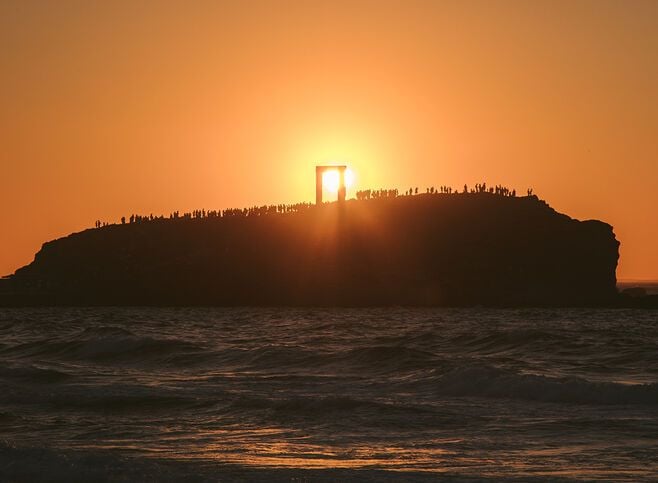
330	180
349	178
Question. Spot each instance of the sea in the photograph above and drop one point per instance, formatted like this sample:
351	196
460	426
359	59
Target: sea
335	394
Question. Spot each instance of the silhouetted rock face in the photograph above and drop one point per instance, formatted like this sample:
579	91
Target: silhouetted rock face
465	249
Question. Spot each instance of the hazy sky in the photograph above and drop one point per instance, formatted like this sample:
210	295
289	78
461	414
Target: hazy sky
109	108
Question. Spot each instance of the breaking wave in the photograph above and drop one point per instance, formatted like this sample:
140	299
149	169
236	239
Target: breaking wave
491	382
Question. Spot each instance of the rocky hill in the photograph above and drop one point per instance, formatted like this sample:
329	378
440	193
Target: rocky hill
434	249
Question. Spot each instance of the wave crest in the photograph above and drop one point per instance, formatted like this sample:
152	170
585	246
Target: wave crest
489	382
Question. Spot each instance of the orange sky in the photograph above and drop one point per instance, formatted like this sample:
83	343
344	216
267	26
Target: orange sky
109	108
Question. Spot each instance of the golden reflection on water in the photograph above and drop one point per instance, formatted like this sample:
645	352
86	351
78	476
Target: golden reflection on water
283	448
286	454
274	447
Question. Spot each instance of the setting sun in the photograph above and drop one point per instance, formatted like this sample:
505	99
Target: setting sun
331	181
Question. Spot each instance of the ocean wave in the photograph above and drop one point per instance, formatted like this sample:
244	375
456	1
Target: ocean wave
8	417
111	346
491	342
76	465
389	358
32	374
56	465
105	331
489	382
370	359
274	356
122	403
108	398
318	406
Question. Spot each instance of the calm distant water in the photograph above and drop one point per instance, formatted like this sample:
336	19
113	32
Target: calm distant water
143	394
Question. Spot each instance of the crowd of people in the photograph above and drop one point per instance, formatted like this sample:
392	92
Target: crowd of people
374	194
229	212
498	190
478	188
266	210
300	207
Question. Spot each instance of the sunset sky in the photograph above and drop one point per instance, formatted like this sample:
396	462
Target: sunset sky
119	107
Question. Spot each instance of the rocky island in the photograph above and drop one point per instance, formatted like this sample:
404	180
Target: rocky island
438	249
